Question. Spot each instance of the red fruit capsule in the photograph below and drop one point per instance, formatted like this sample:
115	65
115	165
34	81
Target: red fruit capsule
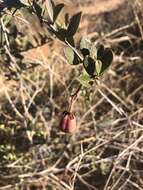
68	123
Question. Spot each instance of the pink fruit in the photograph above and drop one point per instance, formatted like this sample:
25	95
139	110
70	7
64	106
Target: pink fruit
68	123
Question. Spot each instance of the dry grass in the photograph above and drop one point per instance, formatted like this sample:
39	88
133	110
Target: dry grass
106	153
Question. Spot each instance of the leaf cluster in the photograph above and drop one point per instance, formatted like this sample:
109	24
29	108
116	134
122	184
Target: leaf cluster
94	58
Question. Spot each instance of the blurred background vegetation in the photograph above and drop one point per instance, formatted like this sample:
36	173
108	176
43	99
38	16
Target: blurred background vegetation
106	153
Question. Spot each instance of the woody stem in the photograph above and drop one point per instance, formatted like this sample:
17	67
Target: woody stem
74	97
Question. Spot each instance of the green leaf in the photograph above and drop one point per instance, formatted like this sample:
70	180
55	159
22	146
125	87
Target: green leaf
74	24
89	65
50	7
71	56
70	40
105	55
106	59
98	65
57	10
100	51
85	43
61	34
66	19
84	79
85	46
